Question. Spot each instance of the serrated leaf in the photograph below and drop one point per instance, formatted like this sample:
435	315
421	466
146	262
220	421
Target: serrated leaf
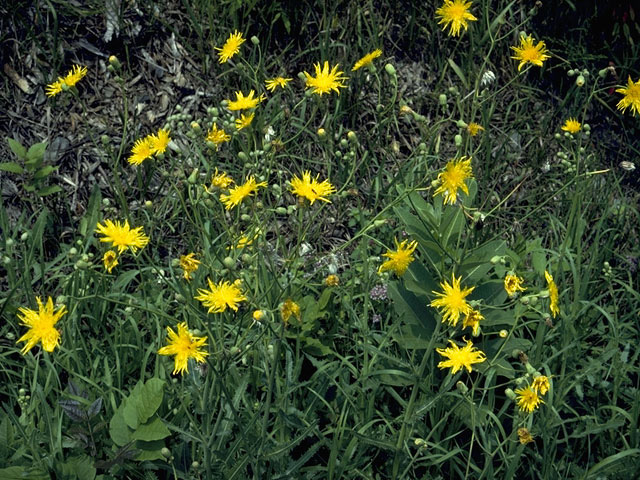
17	148
118	430
154	430
12	167
95	407
72	409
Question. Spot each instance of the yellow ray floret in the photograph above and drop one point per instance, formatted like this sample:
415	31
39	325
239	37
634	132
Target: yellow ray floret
459	358
41	325
326	79
399	259
221	296
121	236
452	303
455	14
230	47
527	52
184	346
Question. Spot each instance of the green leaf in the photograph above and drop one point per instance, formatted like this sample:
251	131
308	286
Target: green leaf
458	71
129	411
118	430
80	467
154	430
51	189
12	167
36	153
44	171
418	318
23	473
17	148
150	450
150	399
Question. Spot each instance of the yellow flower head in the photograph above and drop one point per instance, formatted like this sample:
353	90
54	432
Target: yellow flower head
527	52
400	259
472	319
325	80
244	121
243	103
230	47
513	284
553	294
474	128
367	59
332	280
122	236
41	325
110	260
631	96
528	399
288	308
524	436
453	178
460	357
159	141
311	189
452	301
69	80
184	346
220	180
142	149
273	83
456	13
571	125
54	88
238	193
189	264
221	296
217	135
541	384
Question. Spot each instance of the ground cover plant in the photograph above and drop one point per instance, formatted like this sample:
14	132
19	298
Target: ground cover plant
333	240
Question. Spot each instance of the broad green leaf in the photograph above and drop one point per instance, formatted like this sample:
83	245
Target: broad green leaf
51	189
12	167
80	467
17	148
35	154
118	430
419	323
149	399
154	430
130	410
149	450
44	171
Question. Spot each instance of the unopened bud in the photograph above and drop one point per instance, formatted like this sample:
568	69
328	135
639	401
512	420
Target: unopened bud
255	40
580	80
390	69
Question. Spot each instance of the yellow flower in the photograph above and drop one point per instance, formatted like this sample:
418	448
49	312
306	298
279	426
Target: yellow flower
400	259
238	193
122	236
311	189
332	280
452	179
460	357
474	128
273	83
184	346
288	308
142	149
528	399
258	315
524	436
527	52
631	96
220	180
456	13
221	296
571	125
41	326
189	264
245	240
159	141
472	320
244	122
217	135
325	80
452	301
243	103
541	384
367	59
230	47
110	260
553	294
513	284
69	80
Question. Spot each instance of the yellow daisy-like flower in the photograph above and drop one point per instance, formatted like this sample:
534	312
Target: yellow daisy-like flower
527	52
460	357
455	14
188	264
513	284
159	141
184	346
41	325
524	436
273	83
288	308
221	296
453	178
474	128
230	47
400	259
243	103
122	236
244	121
110	260
54	88
631	96
325	80
553	294
220	180
541	384
472	319
452	301
332	280
217	135
69	80
367	59
528	399
311	189
238	193
571	125
142	149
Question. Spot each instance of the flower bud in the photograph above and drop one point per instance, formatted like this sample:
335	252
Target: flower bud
462	388
442	99
580	80
166	453
390	69
229	262
258	315
302	76
255	40
503	334
510	394
114	62
322	132
457	140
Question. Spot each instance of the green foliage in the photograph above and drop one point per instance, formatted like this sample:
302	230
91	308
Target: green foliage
31	167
